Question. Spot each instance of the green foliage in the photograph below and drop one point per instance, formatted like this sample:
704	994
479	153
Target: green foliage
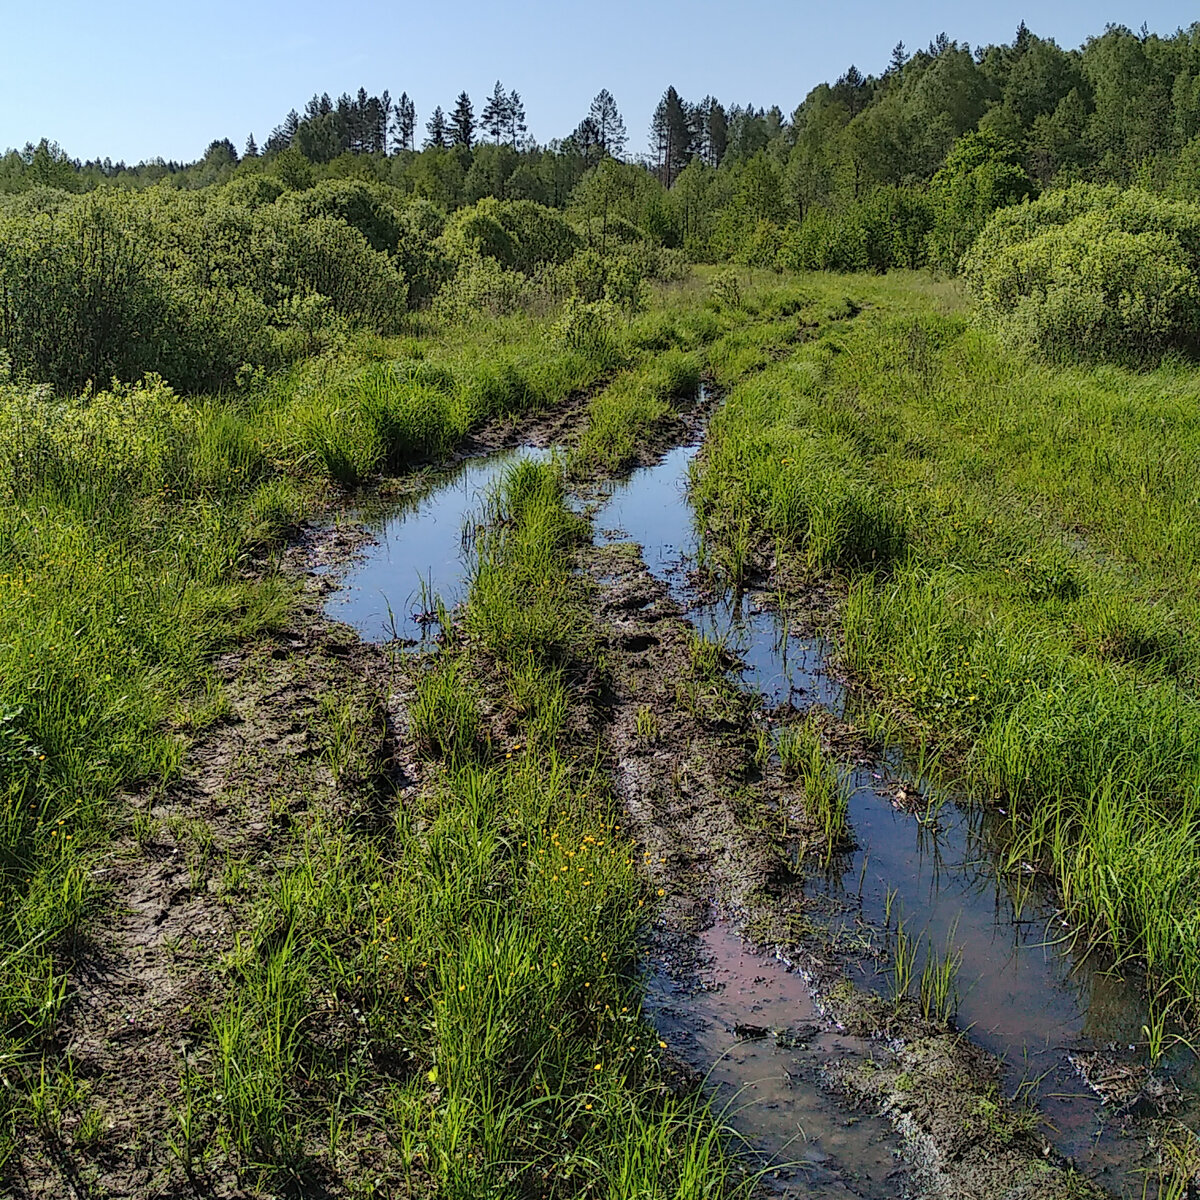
481	287
886	230
983	172
1092	273
194	287
361	205
518	234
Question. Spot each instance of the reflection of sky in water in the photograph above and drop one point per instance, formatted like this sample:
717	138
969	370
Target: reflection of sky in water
419	540
1022	997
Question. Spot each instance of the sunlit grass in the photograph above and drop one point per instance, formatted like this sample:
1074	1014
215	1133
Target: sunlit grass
1019	543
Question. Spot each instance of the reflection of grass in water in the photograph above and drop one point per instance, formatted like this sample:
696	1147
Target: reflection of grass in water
1012	594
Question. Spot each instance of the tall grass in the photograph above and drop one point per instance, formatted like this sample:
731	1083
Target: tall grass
623	418
468	977
1040	618
138	530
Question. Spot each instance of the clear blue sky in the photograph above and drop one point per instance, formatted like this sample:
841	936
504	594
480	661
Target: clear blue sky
132	79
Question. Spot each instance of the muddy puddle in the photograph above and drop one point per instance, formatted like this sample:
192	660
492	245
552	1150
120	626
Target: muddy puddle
755	1032
418	551
1023	994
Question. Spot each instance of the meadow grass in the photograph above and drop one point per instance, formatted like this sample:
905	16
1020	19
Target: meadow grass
1020	545
467	978
139	534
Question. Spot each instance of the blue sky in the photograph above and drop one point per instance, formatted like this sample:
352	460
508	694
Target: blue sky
132	79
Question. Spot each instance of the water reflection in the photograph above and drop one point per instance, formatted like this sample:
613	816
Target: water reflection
418	551
1025	994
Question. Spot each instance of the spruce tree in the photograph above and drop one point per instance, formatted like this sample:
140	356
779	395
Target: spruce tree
436	135
251	150
462	122
406	123
516	120
716	133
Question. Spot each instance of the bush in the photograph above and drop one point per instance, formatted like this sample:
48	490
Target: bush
518	234
887	229
983	173
361	205
481	287
195	286
1093	272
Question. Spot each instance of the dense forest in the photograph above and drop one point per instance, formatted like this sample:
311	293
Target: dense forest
1123	108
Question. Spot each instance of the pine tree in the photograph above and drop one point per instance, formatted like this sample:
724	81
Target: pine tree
251	150
606	119
495	113
372	119
659	138
585	141
898	59
362	121
851	89
436	134
406	123
462	121
516	120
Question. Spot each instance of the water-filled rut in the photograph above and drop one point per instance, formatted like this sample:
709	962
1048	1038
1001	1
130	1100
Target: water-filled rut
744	1019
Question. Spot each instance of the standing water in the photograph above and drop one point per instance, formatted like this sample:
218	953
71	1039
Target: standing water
419	552
1025	995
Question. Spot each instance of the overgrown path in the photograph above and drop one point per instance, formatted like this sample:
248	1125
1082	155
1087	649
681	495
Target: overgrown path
386	929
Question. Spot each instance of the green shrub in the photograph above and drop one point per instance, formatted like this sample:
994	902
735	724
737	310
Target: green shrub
518	234
481	287
1092	272
197	287
366	207
886	229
